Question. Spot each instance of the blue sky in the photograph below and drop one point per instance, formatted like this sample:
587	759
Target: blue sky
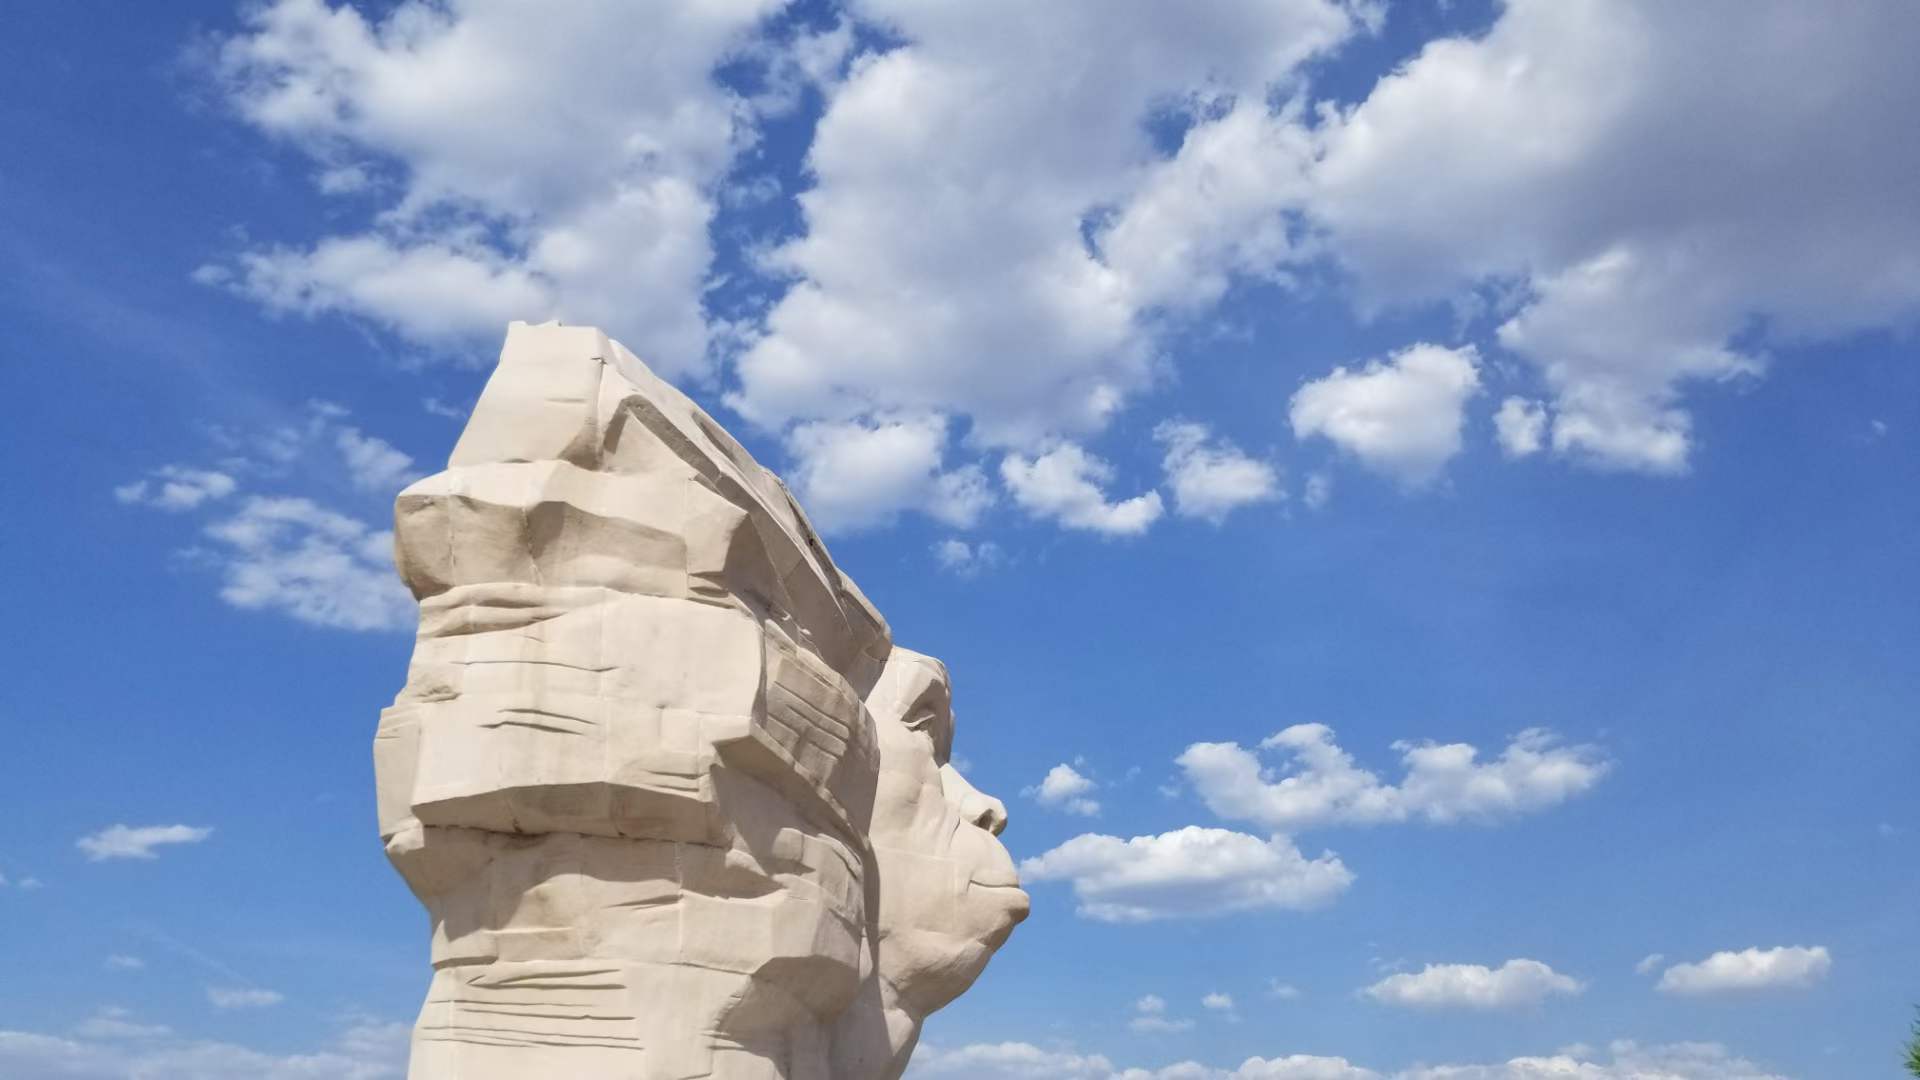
1531	378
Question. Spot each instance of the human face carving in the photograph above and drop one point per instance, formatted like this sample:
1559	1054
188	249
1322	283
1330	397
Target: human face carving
949	895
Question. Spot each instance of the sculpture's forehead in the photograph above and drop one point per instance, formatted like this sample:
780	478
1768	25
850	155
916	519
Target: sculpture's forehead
572	419
910	678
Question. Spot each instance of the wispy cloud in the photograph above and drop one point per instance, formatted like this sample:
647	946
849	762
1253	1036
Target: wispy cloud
243	997
130	842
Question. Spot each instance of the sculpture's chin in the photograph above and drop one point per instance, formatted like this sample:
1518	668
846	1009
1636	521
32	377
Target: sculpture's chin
929	968
1002	907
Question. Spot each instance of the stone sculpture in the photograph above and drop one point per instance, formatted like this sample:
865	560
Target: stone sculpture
676	805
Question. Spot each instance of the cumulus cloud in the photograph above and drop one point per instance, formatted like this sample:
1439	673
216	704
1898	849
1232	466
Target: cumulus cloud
243	997
1784	967
318	566
1513	985
1401	416
967	559
1577	157
1150	1017
176	488
854	475
1025	1061
1012	215
1520	427
1007	1061
1321	784
129	842
1064	788
1623	1060
946	263
1064	484
522	181
1211	478
1189	872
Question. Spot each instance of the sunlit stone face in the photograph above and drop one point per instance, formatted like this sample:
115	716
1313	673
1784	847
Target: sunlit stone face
949	895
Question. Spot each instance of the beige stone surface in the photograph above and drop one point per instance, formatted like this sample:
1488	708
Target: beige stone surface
675	804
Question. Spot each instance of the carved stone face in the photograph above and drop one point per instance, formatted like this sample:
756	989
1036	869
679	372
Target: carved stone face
667	791
631	770
949	895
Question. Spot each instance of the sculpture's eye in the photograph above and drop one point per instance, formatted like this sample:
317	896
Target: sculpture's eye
922	722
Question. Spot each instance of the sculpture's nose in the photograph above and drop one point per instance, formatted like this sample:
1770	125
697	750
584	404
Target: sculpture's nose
978	809
987	812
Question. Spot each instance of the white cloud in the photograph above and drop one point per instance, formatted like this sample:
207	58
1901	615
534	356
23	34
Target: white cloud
317	565
176	488
112	1046
1401	416
1189	872
1623	1061
291	553
1211	479
1786	967
435	407
1579	157
1064	788
367	463
946	261
1211	211
858	474
1007	1061
123	962
1150	1017
967	559
1318	492
127	842
373	464
1444	783
994	239
117	1023
530	184
1649	964
1285	991
1520	427
1064	484
1291	1067
243	997
1515	984
438	293
1218	1002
